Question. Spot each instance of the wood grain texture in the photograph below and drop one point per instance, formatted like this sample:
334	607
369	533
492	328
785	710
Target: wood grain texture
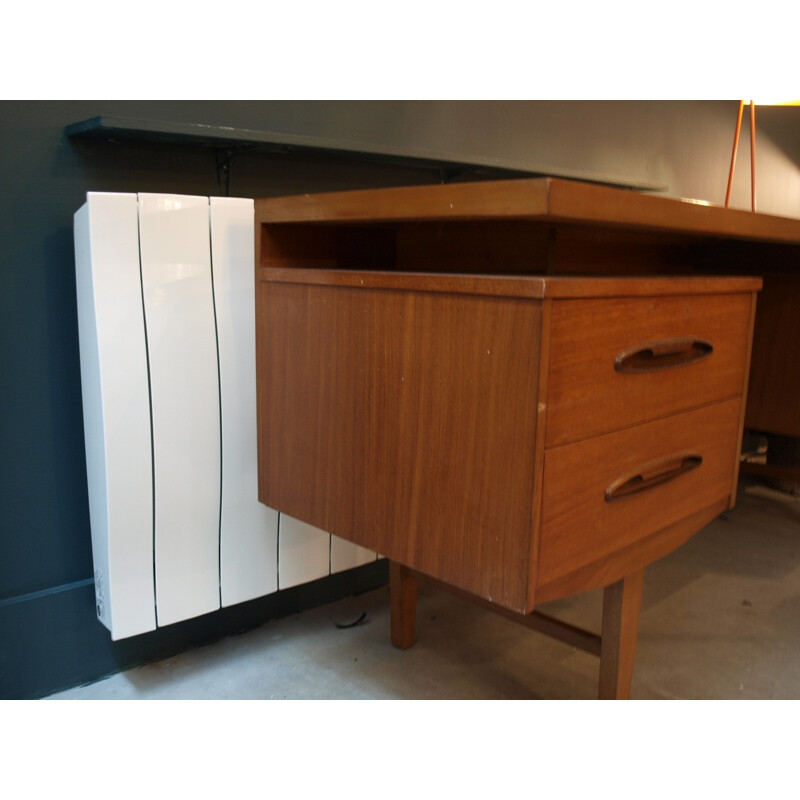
434	387
579	527
587	396
547	199
492	285
402	605
542	623
640	286
522	286
774	385
452	201
622	602
586	203
629	559
411	421
404	421
539	450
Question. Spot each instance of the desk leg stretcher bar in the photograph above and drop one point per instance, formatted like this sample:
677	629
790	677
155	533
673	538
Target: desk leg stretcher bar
616	646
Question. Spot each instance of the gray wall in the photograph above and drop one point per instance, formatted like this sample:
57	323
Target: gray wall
685	146
50	637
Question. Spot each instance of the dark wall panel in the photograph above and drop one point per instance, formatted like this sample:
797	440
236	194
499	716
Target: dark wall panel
53	640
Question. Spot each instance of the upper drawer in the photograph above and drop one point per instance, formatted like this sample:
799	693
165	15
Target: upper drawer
621	361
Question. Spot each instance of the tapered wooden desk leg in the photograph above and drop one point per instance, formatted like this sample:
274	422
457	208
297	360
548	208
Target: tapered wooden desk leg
403	602
622	602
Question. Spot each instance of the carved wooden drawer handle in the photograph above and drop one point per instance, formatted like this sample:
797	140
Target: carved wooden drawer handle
663	355
652	475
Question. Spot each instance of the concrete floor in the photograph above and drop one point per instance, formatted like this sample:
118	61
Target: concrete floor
720	620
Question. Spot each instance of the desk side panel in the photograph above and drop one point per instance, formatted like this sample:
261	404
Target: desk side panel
774	389
403	421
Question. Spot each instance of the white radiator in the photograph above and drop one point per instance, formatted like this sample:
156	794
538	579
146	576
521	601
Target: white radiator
166	317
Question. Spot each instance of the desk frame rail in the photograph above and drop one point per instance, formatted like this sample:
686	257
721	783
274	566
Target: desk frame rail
615	646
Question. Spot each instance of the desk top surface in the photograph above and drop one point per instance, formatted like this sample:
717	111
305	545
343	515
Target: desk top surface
548	200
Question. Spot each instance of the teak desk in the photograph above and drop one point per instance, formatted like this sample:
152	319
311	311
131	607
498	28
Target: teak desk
433	386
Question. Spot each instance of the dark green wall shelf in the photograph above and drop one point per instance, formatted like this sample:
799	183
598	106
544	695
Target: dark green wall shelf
228	141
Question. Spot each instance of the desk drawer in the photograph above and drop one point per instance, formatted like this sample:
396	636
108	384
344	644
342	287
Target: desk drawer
618	362
606	493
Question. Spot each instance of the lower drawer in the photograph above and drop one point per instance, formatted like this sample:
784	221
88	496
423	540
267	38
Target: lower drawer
602	495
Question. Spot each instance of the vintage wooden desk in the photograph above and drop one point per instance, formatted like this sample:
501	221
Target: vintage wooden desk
486	384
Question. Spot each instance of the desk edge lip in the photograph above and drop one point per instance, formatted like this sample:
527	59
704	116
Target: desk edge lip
529	287
548	200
